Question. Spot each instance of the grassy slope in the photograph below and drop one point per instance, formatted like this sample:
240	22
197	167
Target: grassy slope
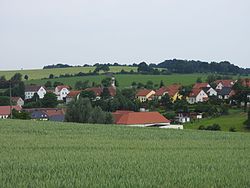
44	73
126	80
235	119
47	154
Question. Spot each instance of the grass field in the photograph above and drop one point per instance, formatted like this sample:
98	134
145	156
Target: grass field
126	80
44	73
235	119
47	154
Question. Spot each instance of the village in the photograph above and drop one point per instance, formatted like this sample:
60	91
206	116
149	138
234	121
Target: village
144	115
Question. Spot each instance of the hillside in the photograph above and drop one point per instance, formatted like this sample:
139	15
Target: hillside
47	154
235	119
44	73
125	80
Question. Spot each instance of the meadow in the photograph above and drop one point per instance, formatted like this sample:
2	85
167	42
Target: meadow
125	80
44	73
235	119
48	154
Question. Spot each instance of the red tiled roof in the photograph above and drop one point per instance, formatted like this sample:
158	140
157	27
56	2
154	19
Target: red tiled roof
194	92
5	110
73	94
225	83
143	92
96	90
161	91
61	87
32	88
53	112
200	85
138	118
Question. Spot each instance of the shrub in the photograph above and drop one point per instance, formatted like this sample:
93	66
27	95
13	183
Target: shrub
232	129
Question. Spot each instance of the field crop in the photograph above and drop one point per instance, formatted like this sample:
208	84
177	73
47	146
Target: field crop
126	80
235	119
44	73
48	154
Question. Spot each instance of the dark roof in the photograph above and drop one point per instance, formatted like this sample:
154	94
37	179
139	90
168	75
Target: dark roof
32	88
224	91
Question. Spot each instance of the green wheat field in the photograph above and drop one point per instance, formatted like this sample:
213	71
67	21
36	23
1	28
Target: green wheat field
48	154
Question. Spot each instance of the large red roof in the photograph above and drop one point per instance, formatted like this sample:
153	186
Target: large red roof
171	90
5	110
138	118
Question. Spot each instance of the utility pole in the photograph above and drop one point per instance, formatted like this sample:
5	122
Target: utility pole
10	102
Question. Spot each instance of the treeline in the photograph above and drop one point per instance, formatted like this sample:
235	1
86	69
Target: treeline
167	67
185	66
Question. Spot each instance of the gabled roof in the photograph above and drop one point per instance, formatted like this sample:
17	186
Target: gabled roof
225	91
201	85
143	92
96	90
15	99
138	118
161	91
59	88
194	92
72	94
32	88
5	110
225	83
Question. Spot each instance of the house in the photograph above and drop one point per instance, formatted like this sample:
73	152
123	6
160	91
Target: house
197	95
145	94
210	91
98	91
172	91
32	89
223	83
61	92
142	119
5	111
225	93
17	101
45	114
182	118
71	95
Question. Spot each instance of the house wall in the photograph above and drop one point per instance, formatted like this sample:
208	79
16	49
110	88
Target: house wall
29	94
212	92
219	86
200	97
62	94
4	116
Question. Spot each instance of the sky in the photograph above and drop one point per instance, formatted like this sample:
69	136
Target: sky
34	33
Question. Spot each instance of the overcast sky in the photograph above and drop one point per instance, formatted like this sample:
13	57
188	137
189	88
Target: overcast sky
34	33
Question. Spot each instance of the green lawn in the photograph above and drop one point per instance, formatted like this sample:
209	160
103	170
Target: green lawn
126	80
47	154
235	119
44	73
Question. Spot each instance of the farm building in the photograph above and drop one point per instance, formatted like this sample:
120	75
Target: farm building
5	111
197	95
143	119
61	92
44	114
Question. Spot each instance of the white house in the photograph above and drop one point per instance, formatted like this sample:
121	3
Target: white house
62	92
197	95
32	89
210	91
